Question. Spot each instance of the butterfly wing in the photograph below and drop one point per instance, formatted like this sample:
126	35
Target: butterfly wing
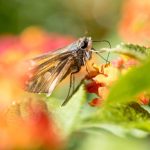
48	70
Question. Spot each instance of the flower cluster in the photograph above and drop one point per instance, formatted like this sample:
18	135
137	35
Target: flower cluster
103	77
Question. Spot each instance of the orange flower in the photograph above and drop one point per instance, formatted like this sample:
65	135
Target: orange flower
134	26
144	98
96	86
28	125
104	76
108	76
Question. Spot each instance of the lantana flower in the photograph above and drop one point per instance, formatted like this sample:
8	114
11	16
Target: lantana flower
105	76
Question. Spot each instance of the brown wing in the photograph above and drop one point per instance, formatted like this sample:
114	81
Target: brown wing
48	71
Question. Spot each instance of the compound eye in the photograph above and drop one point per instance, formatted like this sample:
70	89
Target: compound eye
84	44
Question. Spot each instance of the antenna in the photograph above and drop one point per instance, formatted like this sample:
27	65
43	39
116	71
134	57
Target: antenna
97	52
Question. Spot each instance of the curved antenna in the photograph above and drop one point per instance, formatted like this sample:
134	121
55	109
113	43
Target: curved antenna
97	52
103	41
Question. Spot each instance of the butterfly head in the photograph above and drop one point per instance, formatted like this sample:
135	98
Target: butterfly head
85	43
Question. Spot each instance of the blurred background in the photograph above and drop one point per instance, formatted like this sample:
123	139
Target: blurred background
96	18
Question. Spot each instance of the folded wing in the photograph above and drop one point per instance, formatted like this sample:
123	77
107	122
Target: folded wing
48	71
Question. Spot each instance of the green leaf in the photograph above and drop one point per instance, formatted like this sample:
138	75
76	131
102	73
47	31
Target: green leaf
105	141
129	85
115	129
120	122
131	50
128	117
67	117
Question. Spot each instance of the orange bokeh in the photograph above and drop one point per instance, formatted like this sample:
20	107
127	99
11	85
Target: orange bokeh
134	26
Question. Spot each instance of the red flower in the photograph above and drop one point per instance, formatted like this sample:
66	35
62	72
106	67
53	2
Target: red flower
93	87
95	102
28	125
41	126
144	99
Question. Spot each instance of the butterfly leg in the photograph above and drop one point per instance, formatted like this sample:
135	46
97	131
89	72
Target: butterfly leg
76	89
73	82
71	86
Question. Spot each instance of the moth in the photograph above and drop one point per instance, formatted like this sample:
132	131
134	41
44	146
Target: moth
49	69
